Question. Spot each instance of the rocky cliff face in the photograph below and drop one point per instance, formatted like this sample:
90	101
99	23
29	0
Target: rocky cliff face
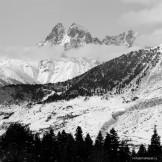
57	34
125	38
76	36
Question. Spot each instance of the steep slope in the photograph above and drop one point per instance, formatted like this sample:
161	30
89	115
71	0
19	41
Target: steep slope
14	71
138	121
127	74
77	36
62	69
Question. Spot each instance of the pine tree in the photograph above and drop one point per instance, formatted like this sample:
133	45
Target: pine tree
99	141
133	153
154	149
47	153
114	145
107	142
37	146
80	151
70	148
107	147
124	152
18	143
114	140
98	148
142	151
79	135
88	146
63	137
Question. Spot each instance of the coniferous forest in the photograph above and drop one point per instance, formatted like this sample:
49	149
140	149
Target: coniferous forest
20	144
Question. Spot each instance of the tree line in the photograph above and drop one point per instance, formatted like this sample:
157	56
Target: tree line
19	144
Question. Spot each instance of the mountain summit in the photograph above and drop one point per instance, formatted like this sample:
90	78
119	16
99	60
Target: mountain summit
57	34
76	36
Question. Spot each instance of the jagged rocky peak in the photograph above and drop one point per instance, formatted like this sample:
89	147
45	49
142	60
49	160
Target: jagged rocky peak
57	34
77	31
76	36
125	38
96	40
76	27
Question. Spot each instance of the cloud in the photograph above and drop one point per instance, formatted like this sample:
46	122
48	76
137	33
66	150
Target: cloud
98	52
150	40
143	2
146	16
32	53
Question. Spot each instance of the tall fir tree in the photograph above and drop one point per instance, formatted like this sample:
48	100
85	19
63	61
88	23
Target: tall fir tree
18	143
80	151
99	141
154	148
47	152
107	147
79	135
37	146
133	153
142	151
114	145
88	146
98	148
70	148
124	152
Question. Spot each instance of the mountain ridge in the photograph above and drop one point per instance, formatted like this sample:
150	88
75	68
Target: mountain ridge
76	36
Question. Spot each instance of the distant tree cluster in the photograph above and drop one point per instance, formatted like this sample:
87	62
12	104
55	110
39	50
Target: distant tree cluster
18	144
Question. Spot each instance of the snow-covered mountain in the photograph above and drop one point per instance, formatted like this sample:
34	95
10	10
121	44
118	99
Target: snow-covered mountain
64	68
13	71
77	36
125	93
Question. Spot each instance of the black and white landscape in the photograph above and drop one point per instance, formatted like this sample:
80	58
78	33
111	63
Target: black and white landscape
77	97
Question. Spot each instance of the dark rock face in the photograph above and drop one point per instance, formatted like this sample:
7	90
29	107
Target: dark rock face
57	34
130	37
77	36
126	38
96	40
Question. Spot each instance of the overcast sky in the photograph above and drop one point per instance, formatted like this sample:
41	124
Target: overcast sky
26	22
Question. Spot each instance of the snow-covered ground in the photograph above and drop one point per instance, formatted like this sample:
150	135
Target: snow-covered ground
138	125
91	114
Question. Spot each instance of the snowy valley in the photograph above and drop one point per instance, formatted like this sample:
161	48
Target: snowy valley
124	93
